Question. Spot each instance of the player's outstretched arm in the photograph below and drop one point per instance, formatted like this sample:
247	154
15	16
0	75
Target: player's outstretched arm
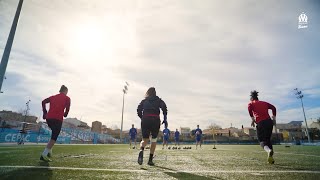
140	109
164	109
67	108
44	110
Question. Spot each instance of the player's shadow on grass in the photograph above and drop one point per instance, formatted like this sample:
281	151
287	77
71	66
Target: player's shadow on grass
290	167
42	163
26	173
184	175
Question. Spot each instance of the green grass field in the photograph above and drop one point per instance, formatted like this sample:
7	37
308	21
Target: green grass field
118	162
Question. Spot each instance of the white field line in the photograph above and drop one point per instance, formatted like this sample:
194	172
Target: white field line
310	155
157	170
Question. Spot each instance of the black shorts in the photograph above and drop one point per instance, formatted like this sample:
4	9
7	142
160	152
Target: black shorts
55	125
150	126
264	130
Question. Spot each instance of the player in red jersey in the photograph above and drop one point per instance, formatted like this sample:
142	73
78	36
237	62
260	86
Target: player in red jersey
258	111
59	108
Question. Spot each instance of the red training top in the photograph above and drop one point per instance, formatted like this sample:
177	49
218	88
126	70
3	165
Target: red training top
259	109
58	103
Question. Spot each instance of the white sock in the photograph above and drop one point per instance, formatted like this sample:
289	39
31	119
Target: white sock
50	151
45	152
267	149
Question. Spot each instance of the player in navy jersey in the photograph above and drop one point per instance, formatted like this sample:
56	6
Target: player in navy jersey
149	112
166	136
133	136
198	134
177	137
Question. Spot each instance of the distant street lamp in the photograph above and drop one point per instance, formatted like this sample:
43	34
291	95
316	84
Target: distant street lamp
125	91
300	96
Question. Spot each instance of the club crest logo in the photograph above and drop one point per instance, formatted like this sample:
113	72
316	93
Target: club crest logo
303	21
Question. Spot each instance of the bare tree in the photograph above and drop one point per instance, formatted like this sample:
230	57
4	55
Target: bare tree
214	126
114	127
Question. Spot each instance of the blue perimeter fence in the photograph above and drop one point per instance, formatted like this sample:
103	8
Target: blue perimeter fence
43	135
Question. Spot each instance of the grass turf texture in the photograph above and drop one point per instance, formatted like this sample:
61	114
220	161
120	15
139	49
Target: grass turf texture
118	162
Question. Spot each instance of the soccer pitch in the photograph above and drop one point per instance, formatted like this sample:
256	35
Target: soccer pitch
118	162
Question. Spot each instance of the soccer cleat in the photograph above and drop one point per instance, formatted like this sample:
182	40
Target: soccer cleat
270	158
150	163
45	158
140	158
133	147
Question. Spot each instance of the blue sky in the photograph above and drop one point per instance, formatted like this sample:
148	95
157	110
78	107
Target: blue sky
204	57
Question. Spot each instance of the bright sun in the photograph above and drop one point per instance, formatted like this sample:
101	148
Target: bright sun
102	42
88	39
88	42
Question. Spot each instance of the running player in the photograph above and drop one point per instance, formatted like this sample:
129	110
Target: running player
149	112
133	136
177	137
258	111
166	136
198	134
59	108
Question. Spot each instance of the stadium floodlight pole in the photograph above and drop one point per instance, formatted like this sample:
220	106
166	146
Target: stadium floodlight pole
300	96
125	91
7	49
27	110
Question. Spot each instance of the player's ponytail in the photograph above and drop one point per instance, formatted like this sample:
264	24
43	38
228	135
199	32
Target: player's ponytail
63	89
254	95
151	92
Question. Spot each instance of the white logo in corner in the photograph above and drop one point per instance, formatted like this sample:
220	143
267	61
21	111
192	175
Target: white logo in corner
303	21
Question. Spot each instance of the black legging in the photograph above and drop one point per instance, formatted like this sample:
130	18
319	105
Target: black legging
264	132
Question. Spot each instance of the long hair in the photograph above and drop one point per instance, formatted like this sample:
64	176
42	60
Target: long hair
151	92
254	95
